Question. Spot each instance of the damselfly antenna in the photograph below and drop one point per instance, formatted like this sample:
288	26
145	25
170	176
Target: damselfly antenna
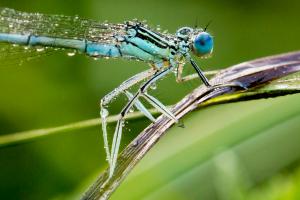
196	23
206	27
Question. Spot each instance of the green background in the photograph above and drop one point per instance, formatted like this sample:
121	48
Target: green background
57	89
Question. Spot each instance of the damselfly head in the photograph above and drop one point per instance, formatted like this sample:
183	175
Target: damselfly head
202	44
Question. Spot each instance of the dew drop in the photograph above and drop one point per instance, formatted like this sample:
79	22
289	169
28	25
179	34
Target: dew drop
21	62
158	28
95	53
40	49
135	143
104	113
73	53
153	86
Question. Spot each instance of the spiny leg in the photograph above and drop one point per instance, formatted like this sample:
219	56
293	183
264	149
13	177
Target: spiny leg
109	98
159	106
200	73
236	84
180	78
140	106
204	79
118	130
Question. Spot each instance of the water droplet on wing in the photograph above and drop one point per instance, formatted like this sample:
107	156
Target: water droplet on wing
72	53
40	49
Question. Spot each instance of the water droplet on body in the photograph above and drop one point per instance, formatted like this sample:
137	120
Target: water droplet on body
104	113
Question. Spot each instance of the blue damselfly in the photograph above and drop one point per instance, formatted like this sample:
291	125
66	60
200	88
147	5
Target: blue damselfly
163	52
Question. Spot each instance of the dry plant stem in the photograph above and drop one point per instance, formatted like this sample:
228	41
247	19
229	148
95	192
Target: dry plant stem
276	88
251	74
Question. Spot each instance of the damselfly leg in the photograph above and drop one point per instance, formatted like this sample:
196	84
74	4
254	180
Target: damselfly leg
142	92
112	95
202	75
180	78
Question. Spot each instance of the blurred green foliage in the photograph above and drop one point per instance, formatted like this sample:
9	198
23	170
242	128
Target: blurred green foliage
57	89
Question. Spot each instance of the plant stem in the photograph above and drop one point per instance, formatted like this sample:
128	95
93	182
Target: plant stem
25	136
253	75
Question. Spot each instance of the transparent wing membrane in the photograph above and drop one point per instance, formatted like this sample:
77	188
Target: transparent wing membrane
58	26
12	55
96	39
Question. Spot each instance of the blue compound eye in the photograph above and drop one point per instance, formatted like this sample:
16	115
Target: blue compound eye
203	44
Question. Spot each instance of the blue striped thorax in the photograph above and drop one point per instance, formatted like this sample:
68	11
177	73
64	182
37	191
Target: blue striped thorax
156	48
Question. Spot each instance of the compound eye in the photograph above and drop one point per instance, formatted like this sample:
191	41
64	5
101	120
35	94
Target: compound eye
203	44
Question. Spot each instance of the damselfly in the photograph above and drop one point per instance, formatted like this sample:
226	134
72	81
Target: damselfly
163	52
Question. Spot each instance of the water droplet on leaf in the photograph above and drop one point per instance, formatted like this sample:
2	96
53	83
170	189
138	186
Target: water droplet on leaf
153	86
